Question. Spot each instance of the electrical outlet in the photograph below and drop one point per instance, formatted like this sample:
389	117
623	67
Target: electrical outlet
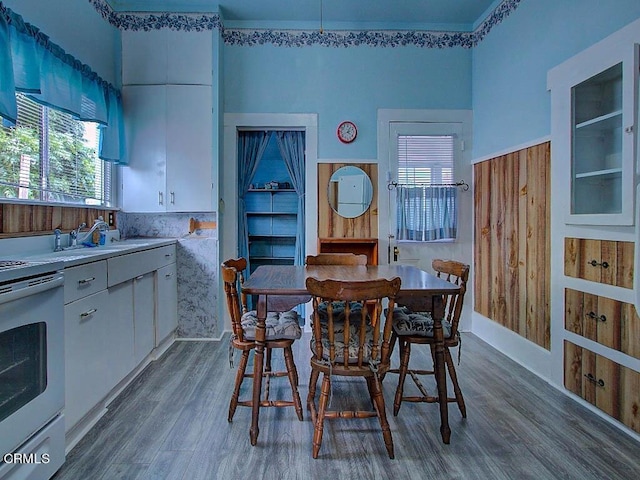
111	219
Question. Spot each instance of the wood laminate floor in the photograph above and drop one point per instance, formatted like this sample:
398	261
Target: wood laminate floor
171	423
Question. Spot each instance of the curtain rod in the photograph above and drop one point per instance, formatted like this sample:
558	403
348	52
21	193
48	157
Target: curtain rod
461	183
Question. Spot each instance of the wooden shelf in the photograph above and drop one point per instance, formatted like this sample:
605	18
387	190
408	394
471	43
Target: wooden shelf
359	246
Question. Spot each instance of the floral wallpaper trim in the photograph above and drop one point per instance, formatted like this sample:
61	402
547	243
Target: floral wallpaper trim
300	38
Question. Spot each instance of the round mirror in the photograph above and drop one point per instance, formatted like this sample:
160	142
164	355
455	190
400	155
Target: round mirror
350	192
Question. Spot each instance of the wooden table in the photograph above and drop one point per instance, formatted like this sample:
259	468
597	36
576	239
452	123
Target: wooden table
419	290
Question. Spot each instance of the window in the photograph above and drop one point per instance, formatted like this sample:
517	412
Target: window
425	196
50	156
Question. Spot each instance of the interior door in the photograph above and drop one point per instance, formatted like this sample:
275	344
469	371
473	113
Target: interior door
412	252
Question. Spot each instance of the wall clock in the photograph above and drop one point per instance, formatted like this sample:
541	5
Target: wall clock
347	132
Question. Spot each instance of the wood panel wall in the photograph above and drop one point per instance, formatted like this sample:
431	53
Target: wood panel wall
17	220
332	225
512	242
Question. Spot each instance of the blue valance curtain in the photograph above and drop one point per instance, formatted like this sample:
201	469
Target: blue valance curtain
426	213
291	145
30	63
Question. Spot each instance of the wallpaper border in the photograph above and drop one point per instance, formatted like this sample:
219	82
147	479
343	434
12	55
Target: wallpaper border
135	21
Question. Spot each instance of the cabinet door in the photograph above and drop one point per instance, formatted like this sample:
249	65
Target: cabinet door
144	57
143	316
85	332
119	337
167	302
594	98
144	179
189	148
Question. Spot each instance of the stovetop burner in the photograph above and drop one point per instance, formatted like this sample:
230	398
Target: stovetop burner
6	264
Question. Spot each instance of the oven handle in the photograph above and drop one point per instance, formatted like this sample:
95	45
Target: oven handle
55	281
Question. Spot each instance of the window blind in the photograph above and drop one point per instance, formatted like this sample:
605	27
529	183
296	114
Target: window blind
50	156
425	159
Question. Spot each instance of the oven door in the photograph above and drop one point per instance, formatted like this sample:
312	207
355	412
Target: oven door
31	358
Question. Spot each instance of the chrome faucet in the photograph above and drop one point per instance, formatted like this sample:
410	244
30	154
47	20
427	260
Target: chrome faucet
98	224
73	235
57	245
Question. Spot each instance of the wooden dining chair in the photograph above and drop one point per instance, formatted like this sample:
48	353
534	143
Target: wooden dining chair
330	259
283	328
414	327
348	342
336	259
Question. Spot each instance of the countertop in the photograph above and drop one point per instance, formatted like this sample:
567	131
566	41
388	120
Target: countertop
81	255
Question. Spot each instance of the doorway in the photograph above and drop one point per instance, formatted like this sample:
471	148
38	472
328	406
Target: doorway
228	212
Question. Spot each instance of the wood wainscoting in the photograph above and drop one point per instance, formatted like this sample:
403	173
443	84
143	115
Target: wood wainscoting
17	220
512	241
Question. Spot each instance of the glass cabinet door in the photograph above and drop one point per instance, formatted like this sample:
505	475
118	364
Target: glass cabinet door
603	112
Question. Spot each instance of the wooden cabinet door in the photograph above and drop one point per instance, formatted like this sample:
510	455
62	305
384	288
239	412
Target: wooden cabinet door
601	261
609	322
593	377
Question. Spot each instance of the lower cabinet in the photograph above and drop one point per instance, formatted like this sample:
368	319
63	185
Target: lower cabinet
116	312
143	316
85	327
613	388
167	302
609	322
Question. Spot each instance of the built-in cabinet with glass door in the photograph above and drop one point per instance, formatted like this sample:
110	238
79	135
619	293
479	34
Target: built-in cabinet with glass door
595	323
594	114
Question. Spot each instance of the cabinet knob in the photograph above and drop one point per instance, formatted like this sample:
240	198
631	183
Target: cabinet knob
86	280
628	129
594	263
160	198
173	198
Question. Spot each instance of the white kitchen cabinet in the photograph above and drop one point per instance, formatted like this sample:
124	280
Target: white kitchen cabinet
143	316
167	57
119	338
167	302
86	328
170	142
114	311
593	103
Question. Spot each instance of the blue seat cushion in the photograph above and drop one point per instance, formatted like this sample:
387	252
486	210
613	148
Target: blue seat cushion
279	325
406	322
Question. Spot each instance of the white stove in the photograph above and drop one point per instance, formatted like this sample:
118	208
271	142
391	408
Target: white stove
12	270
31	368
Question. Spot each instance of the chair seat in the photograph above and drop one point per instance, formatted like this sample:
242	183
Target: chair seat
407	322
338	331
279	326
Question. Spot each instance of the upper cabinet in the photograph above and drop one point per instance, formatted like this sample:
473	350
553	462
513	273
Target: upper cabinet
168	106
593	107
159	57
169	139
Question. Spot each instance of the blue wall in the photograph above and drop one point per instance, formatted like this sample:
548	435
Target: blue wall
511	104
345	83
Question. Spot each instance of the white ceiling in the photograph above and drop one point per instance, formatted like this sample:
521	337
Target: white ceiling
434	14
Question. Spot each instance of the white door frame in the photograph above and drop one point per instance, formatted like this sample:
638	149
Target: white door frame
228	188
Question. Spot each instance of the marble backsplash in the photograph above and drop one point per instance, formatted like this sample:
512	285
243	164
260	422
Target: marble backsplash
197	261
